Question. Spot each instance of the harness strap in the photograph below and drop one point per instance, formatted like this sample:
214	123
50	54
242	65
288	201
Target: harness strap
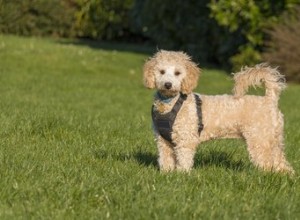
199	113
178	104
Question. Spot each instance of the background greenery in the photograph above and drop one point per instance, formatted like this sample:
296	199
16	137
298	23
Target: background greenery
37	17
76	142
223	33
250	19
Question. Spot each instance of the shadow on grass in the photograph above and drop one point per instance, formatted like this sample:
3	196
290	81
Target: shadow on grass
111	46
143	158
214	158
218	159
140	48
147	159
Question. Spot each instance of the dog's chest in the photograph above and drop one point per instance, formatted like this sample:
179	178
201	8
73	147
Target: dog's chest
162	108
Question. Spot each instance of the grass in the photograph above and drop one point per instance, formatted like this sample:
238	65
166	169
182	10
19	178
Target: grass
76	143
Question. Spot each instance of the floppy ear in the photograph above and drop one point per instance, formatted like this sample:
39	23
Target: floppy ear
190	81
149	80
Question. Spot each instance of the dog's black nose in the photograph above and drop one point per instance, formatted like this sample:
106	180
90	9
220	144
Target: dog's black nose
168	85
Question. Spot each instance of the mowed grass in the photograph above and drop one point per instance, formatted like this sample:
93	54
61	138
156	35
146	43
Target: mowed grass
76	143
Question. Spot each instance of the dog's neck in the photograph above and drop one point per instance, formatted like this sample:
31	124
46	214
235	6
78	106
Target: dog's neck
164	104
165	99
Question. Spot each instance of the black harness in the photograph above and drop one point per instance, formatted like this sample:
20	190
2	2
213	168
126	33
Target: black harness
164	122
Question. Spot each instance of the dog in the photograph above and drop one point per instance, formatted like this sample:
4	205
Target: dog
183	119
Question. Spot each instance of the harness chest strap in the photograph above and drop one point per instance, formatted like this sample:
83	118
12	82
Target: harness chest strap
164	122
199	113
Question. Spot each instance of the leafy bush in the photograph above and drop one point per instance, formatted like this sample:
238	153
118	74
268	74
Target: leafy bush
249	18
37	17
97	19
284	45
103	19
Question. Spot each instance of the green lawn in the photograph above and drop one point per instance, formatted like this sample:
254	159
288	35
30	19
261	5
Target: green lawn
76	143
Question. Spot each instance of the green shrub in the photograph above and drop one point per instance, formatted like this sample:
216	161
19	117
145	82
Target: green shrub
248	56
96	19
103	19
37	17
250	18
284	46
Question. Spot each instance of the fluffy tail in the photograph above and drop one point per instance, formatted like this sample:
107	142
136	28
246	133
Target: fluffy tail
257	75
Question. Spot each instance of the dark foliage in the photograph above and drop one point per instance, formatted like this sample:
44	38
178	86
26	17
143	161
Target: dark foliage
180	25
103	19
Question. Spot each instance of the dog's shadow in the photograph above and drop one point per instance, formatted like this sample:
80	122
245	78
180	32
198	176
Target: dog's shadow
146	159
202	160
211	159
218	159
143	158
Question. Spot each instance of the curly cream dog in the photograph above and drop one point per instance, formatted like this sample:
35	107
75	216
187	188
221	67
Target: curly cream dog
256	119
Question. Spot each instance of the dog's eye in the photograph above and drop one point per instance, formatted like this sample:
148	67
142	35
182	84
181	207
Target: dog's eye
162	72
177	73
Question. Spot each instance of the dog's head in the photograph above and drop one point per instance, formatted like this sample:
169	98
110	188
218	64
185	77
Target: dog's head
171	72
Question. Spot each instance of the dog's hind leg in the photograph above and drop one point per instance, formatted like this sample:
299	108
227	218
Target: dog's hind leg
266	152
279	161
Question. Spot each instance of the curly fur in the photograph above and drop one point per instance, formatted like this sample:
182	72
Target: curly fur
256	119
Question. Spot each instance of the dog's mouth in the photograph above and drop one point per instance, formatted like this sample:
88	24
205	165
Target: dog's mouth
168	92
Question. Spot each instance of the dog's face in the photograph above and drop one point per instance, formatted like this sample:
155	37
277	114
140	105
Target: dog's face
168	77
170	73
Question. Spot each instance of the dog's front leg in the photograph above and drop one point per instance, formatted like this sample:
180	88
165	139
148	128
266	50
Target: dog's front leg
166	158
185	157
